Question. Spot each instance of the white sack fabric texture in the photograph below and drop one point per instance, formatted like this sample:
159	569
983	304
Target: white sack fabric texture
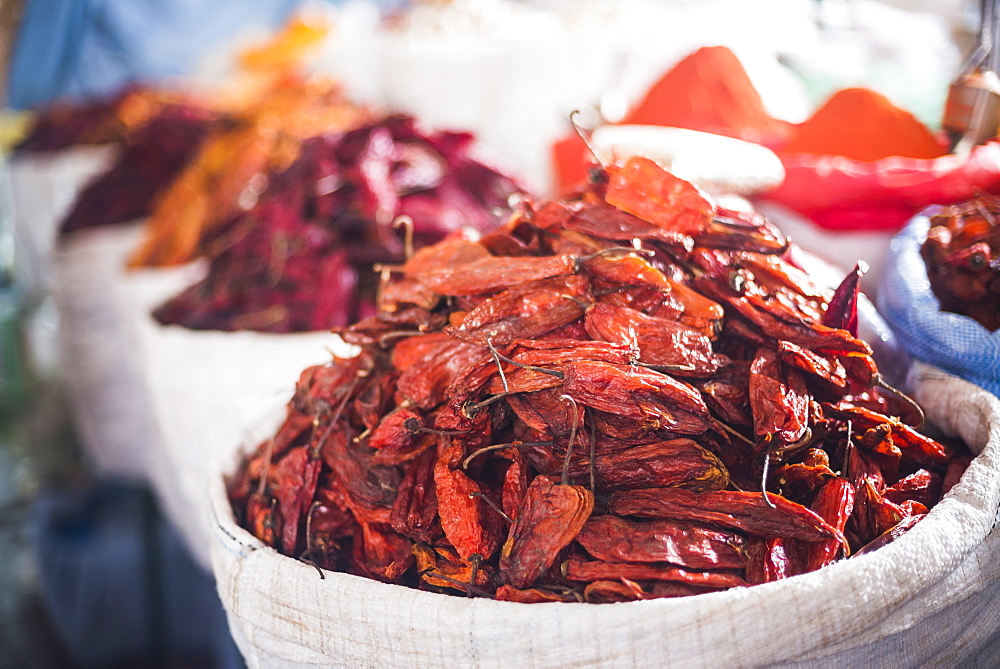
38	190
206	388
953	342
99	345
931	597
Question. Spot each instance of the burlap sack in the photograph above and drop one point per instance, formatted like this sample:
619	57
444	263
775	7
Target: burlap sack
930	598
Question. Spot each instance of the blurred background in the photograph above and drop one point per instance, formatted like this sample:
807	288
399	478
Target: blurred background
94	573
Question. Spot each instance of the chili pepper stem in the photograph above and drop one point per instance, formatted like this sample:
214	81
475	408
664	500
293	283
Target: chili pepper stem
333	421
471	409
496	447
398	334
468	587
319	570
572	438
262	483
406	223
474	560
586	137
443	432
309	515
720	424
496	359
882	383
551	372
763	480
593	447
492	505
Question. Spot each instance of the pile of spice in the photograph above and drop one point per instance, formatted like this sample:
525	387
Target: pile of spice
624	394
708	90
861	124
105	120
301	257
150	159
962	254
230	168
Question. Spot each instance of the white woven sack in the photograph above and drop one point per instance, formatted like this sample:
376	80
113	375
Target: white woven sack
931	597
38	190
206	388
98	345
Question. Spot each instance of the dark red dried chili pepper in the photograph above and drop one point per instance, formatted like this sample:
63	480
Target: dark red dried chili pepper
677	462
779	400
735	509
656	399
525	311
659	341
550	518
834	504
614	539
415	509
575	569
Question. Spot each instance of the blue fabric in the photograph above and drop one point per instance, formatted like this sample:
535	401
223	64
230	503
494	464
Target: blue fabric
950	341
87	48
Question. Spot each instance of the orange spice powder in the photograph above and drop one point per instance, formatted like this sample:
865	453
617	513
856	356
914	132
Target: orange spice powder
864	125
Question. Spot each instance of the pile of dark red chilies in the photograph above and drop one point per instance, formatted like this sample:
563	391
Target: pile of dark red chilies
150	158
300	259
962	254
624	394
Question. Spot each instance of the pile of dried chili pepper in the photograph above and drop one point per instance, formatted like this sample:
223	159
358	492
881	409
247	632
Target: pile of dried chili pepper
150	158
962	254
300	259
624	394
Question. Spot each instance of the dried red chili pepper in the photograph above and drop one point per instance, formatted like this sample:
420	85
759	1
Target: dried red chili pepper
656	399
614	539
507	593
678	462
297	474
491	273
415	509
607	222
779	400
873	514
644	189
890	535
735	509
659	341
380	553
842	311
550	518
605	592
525	311
575	569
471	525
914	447
834	504
826	367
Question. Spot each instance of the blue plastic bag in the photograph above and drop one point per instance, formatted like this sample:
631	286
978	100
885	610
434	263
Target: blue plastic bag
953	342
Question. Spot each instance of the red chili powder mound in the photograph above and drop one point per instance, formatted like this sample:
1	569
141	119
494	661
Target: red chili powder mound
710	91
864	125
